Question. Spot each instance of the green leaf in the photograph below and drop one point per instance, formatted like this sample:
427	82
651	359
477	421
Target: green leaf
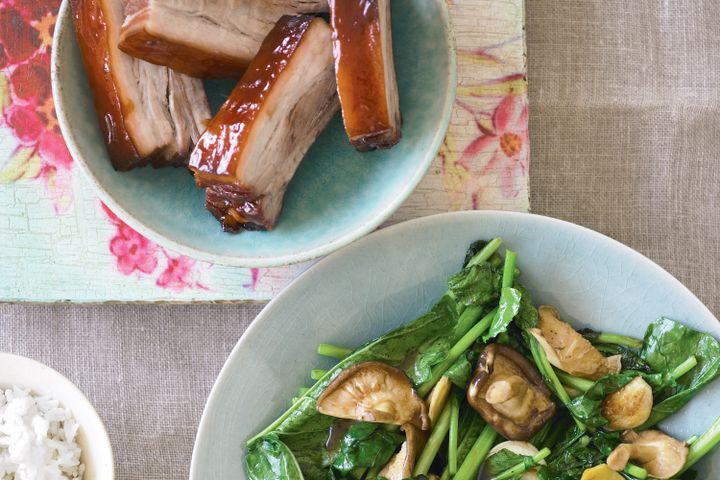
587	407
366	445
308	445
473	250
271	459
420	370
571	461
527	316
667	345
505	460
461	371
471	426
509	307
606	441
631	359
477	285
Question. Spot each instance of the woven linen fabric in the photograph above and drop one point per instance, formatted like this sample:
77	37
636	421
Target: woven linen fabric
147	369
625	135
625	126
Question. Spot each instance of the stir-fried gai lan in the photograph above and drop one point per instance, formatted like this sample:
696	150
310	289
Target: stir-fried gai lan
487	386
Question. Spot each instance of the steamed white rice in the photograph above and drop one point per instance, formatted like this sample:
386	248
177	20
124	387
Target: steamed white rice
37	438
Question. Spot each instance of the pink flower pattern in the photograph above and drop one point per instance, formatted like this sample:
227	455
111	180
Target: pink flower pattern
25	40
504	143
136	254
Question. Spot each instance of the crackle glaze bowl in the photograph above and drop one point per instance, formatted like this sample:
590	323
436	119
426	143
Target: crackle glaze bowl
394	275
336	196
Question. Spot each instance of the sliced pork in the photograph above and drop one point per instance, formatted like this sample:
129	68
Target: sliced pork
147	113
253	146
362	45
205	38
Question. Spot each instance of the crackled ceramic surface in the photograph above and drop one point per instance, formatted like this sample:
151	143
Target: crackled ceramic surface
337	194
394	275
62	244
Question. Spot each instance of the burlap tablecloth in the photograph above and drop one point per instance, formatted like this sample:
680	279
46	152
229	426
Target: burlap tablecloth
625	135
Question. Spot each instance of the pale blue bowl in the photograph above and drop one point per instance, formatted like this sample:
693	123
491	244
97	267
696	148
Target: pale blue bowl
392	276
337	195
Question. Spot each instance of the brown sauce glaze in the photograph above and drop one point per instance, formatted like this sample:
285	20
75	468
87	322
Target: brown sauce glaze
138	41
219	149
360	72
217	157
92	34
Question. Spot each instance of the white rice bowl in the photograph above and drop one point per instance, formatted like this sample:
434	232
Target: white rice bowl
37	438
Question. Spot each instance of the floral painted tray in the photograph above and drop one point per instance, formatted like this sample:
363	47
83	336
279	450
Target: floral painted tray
60	243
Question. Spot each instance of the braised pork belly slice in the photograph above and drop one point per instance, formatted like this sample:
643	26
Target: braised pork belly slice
147	113
362	45
204	38
252	147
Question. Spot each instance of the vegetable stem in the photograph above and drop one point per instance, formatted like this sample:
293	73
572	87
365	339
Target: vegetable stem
619	340
575	382
523	467
437	435
635	471
548	373
455	351
509	269
328	350
485	254
317	374
477	454
453	439
684	367
467	319
703	444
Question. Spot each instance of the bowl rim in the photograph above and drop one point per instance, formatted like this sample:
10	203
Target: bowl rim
64	27
100	441
203	433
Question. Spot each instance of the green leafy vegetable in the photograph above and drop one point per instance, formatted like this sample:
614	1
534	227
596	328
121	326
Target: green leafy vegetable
606	441
437	436
527	316
271	458
549	375
477	454
308	446
366	445
630	358
508	308
421	369
461	371
611	339
471	425
505	460
509	299
478	285
587	407
515	472
702	445
571	462
667	345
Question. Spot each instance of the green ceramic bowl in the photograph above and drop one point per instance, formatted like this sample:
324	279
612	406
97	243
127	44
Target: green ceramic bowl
337	194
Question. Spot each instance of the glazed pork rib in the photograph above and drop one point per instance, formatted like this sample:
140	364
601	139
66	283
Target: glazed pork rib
146	113
253	146
204	38
362	45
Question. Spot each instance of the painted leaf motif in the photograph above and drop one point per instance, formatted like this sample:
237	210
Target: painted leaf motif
23	163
